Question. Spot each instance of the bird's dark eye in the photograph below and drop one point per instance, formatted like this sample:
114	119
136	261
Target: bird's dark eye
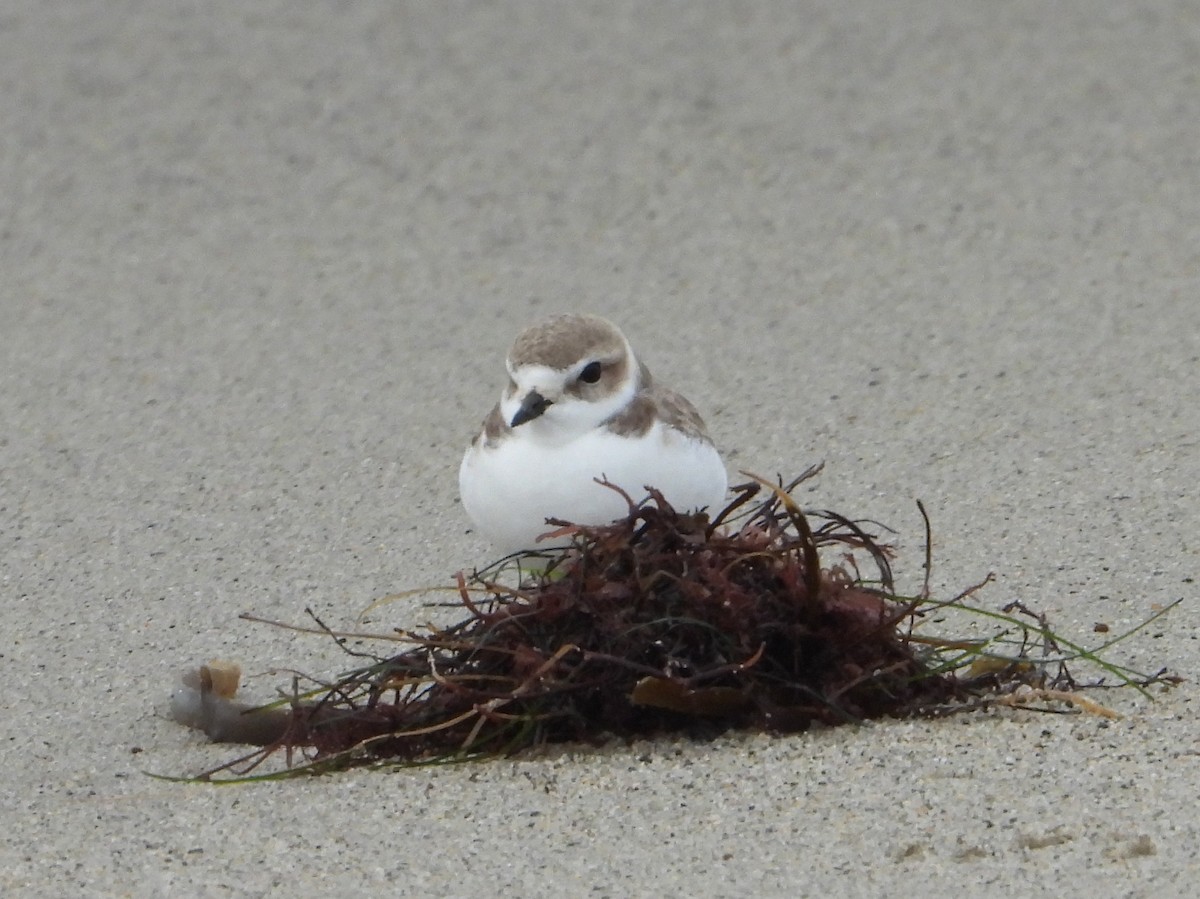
590	373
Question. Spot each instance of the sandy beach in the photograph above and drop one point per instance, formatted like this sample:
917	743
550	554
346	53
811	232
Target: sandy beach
261	264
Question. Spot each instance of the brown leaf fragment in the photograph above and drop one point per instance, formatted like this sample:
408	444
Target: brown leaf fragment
664	693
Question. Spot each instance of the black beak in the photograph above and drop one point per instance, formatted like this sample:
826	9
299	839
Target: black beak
532	406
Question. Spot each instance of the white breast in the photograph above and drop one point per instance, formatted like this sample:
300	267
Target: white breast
509	490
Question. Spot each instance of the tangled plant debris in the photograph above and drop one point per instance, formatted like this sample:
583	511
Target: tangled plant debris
660	622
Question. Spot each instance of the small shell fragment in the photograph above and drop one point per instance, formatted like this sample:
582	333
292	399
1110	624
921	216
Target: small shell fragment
221	677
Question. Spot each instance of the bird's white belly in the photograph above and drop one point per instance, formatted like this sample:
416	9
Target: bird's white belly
511	489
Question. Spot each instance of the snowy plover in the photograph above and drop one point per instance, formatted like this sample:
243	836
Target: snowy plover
580	406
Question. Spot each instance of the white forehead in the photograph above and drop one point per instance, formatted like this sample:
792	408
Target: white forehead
533	376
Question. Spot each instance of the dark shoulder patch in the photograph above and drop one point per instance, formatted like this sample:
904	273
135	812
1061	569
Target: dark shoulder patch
494	427
635	419
658	402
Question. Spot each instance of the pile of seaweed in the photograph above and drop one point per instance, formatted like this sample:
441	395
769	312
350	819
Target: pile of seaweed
664	622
